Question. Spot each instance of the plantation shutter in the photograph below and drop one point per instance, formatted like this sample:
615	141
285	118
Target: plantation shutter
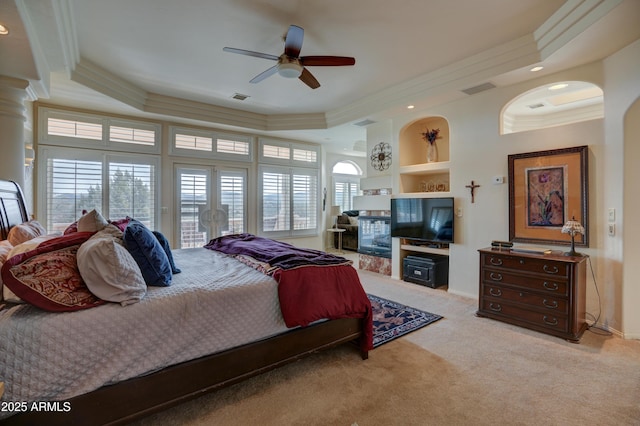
276	201
131	192
305	200
232	195
194	190
72	186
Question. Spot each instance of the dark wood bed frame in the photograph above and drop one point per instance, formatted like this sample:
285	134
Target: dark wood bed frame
138	397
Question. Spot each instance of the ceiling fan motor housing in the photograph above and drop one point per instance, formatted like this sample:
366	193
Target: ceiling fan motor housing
289	67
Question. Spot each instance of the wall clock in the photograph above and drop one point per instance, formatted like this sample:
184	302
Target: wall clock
381	156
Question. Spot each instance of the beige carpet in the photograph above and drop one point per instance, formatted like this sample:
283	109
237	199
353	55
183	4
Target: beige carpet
461	370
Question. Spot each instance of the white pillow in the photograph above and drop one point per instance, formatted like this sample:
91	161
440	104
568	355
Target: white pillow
25	232
109	271
353	220
92	222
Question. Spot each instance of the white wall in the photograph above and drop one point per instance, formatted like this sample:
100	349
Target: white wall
622	153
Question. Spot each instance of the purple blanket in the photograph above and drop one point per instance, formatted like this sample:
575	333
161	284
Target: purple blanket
275	253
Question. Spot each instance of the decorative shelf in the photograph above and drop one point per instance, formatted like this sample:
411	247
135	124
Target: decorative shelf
426	168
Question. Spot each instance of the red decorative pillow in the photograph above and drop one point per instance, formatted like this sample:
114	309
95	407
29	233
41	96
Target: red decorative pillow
48	276
121	224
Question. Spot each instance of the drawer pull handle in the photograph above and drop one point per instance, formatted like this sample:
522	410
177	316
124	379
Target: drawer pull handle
495	307
496	262
553	304
550	286
495	292
495	276
552	321
550	269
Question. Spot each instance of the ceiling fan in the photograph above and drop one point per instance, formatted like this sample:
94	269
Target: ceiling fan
290	63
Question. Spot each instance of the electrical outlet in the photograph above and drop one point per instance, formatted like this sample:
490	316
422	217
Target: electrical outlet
612	229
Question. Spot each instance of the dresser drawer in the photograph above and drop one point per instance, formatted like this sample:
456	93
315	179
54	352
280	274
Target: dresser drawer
556	287
543	303
540	265
549	321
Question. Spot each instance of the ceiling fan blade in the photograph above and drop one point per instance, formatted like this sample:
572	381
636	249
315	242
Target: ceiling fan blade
293	41
308	79
264	74
251	53
319	61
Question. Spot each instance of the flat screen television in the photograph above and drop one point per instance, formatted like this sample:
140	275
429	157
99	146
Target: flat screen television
423	219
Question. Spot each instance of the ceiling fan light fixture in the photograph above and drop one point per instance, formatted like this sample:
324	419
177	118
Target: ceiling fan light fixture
290	70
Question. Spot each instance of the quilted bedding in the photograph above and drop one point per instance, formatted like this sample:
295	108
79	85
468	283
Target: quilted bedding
216	303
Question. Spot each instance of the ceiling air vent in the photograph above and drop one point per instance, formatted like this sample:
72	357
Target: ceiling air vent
240	96
534	106
364	123
479	88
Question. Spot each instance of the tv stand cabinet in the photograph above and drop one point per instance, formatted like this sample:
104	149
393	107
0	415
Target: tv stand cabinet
542	292
428	270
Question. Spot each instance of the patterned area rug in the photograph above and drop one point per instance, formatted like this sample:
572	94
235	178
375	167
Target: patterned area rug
392	320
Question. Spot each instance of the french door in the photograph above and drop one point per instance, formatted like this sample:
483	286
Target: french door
211	202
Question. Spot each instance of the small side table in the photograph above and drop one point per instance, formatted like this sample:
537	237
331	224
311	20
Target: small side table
339	231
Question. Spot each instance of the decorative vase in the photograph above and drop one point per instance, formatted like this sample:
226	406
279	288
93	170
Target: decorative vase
432	152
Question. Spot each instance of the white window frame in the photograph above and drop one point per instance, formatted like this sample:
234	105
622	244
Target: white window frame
214	136
291	171
44	138
292	146
106	157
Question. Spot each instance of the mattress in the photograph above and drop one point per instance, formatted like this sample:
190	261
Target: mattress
216	303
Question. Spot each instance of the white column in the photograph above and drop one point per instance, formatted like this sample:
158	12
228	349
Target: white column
12	119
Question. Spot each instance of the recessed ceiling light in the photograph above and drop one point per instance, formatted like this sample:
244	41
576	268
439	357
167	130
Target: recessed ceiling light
558	86
410	106
3	30
538	68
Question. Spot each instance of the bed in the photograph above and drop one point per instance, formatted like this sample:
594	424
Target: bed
204	331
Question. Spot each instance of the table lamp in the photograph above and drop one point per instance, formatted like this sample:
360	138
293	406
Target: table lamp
573	227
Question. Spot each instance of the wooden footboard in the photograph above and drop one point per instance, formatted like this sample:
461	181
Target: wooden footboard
123	402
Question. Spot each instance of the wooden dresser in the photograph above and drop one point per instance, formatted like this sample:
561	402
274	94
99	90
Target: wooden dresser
541	292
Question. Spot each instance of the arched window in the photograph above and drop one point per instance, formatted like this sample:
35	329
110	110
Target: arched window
554	104
346	184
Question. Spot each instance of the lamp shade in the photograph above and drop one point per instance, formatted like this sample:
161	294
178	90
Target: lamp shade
335	210
573	227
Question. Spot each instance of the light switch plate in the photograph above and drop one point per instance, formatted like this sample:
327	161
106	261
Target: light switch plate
612	215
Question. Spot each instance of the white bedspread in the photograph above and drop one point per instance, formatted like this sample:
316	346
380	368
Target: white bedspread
216	303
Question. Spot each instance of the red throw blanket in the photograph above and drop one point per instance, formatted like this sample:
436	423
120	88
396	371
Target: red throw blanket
312	285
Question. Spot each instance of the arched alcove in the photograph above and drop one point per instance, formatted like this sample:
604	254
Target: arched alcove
553	104
416	173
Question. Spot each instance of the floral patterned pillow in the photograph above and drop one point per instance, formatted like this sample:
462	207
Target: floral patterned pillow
48	276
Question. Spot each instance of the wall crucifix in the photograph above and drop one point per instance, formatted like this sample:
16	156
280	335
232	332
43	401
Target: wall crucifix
472	188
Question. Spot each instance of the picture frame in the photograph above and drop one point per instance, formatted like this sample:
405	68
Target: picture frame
546	189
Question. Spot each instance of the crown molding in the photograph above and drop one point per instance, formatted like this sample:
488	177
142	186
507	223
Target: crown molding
94	77
67	35
574	17
521	123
